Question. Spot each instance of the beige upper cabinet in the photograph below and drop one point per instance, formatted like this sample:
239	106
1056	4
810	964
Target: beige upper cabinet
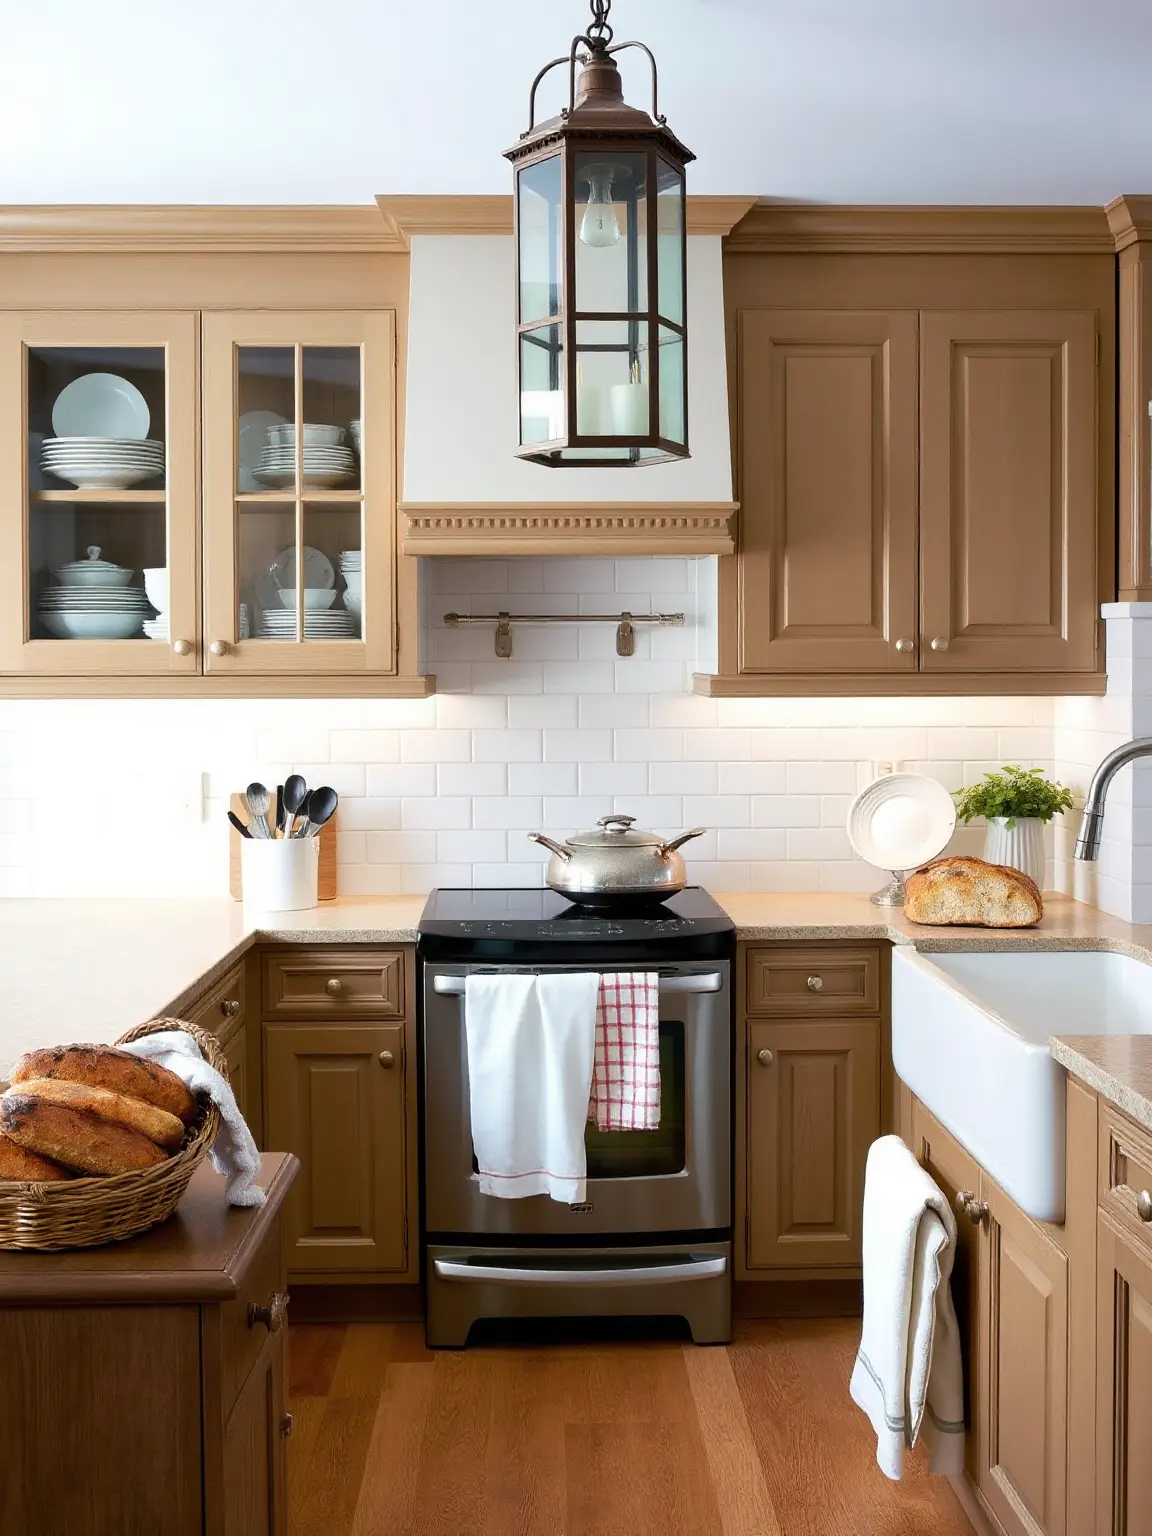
1008	491
828	487
98	494
299	493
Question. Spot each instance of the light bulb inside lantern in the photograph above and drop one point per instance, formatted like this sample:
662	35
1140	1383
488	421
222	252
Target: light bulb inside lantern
600	226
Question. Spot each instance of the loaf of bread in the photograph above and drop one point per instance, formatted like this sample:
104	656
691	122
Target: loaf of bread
117	1108
18	1163
966	892
103	1066
74	1137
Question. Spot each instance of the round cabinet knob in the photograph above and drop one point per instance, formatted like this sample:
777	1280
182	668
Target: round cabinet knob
286	1425
273	1315
387	1059
968	1205
940	643
1144	1205
764	1057
182	647
334	986
219	648
905	645
815	983
230	1008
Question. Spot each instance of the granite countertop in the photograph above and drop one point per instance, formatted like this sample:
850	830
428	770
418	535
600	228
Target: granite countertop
89	969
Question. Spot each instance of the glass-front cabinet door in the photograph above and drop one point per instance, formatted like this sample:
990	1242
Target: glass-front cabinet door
98	510
299	493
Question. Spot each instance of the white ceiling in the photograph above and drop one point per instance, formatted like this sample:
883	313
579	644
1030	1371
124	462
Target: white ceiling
832	100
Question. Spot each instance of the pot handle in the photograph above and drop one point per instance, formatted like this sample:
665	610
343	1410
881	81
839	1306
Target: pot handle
685	837
553	847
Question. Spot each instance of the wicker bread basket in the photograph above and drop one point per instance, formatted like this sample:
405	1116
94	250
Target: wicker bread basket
87	1213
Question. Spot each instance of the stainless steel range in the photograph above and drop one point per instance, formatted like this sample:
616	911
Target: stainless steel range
654	1235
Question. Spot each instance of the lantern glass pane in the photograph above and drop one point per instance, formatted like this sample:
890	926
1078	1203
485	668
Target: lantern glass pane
673	403
610	226
541	384
612	383
670	240
539	193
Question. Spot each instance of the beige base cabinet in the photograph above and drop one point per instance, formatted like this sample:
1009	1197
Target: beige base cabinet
1125	1392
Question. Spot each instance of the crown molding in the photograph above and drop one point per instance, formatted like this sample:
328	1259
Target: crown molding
408	216
203	227
921	229
570	528
1130	219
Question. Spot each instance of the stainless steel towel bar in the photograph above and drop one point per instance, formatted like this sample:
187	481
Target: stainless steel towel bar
707	981
625	625
702	1268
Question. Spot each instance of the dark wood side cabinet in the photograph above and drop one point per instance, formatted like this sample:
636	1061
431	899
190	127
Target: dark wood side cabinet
143	1383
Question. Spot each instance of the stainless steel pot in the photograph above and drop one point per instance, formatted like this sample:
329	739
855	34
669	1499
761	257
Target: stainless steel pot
615	860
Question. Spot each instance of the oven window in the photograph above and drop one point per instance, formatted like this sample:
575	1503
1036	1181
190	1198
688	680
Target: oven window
646	1154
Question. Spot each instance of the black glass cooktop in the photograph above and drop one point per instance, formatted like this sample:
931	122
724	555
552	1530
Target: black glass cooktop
537	924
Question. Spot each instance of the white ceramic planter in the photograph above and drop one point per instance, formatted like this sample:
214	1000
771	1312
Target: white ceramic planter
280	874
1020	847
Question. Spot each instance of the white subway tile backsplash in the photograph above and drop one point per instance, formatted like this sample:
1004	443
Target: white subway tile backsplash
753	778
542	778
649	746
435	747
472	847
362	747
821	778
472	779
683	778
588	746
506	746
785	811
400	779
435	812
613	778
613	709
749	844
718	810
371	814
401	848
509	812
539	713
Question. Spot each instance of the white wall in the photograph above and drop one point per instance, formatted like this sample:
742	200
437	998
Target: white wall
443	790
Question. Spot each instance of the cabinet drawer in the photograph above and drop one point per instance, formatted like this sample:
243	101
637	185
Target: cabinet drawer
243	1335
819	979
337	983
1125	1165
221	1009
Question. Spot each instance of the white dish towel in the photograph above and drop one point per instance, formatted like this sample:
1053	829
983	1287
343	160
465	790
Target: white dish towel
234	1152
908	1374
531	1046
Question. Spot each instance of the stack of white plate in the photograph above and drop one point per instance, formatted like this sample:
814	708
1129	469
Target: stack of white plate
103	463
327	462
318	625
354	428
93	613
352	570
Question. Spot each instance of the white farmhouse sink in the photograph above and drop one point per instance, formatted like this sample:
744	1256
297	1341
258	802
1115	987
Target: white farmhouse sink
970	1038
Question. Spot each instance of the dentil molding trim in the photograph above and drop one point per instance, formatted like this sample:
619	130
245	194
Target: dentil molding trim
574	528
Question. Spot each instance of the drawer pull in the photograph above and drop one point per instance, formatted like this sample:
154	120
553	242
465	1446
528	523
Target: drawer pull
764	1057
1144	1205
334	986
273	1315
286	1425
968	1205
387	1059
815	983
230	1007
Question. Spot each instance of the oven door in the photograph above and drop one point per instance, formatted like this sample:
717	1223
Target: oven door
674	1179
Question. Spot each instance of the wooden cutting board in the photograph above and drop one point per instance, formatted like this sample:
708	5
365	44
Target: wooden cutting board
327	882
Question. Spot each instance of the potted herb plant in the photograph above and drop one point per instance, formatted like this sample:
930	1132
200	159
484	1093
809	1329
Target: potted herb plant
1016	803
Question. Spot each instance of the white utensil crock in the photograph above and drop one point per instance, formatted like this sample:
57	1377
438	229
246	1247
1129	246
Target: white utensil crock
280	874
1020	847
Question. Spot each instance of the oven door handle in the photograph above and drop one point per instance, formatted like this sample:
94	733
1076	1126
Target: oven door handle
702	1268
708	981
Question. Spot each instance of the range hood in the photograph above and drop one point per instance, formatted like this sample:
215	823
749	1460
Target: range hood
464	491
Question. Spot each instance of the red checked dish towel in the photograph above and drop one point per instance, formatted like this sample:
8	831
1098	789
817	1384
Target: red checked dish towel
626	1075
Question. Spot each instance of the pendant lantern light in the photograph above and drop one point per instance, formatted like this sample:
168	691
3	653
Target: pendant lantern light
601	255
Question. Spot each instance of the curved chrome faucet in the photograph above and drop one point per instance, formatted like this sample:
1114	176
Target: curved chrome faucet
1092	821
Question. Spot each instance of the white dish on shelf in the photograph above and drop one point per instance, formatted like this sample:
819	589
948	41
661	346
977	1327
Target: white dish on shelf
94	598
72	625
107	479
93	572
100	405
318	570
251	440
324	480
316	435
315	598
156	586
156	629
354	602
901	821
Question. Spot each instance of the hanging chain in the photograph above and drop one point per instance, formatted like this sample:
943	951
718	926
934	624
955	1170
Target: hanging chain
600	34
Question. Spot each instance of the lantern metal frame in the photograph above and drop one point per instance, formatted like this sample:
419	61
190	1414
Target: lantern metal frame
597	119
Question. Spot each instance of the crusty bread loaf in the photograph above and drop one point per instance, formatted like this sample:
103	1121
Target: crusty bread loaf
75	1137
117	1108
966	892
18	1163
103	1066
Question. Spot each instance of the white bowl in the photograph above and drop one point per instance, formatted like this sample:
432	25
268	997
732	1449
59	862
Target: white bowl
316	435
94	573
354	602
314	597
354	580
92	626
97	478
156	586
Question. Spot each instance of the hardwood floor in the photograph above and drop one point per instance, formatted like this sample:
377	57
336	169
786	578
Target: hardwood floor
604	1439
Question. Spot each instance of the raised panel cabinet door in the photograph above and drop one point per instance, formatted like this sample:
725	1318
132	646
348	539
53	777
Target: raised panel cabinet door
299	531
1023	1417
255	1443
827	471
1008	513
1124	1395
334	1095
813	1111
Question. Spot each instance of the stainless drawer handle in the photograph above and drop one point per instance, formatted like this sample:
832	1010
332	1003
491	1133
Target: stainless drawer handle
230	1007
815	983
710	981
641	1274
273	1315
1144	1205
334	986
